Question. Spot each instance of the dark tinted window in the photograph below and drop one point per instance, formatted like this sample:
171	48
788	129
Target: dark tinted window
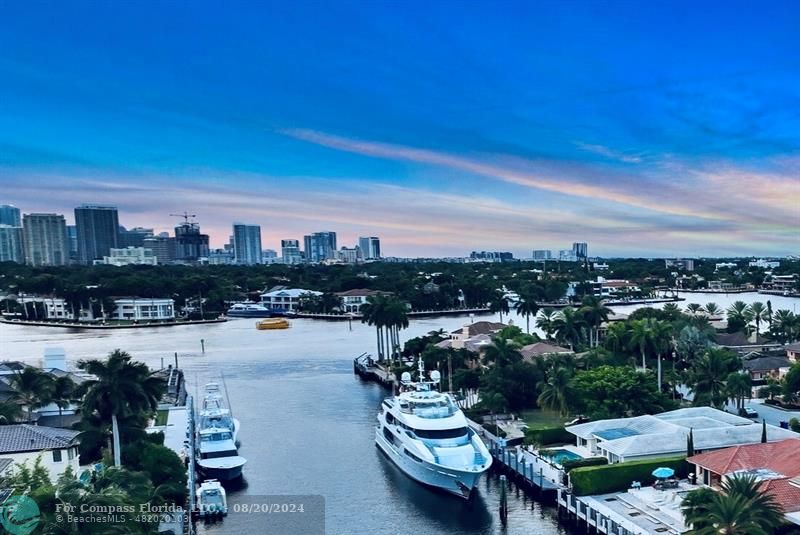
441	433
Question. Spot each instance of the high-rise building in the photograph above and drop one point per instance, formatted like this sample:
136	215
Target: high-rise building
247	244
567	255
290	252
492	256
580	250
72	243
163	247
370	247
190	245
320	246
11	244
9	215
133	237
98	231
45	238
349	255
542	254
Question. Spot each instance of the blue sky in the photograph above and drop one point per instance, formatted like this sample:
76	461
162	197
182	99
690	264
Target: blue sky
643	128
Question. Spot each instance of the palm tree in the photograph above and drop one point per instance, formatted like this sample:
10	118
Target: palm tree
661	334
712	310
740	313
502	352
759	313
527	307
616	336
121	388
554	391
641	337
594	313
375	312
567	326
740	508
499	303
784	326
63	395
395	319
708	375
671	310
545	320
9	412
33	388
771	389
693	308
739	386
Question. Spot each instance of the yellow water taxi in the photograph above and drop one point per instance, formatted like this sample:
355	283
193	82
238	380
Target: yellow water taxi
273	323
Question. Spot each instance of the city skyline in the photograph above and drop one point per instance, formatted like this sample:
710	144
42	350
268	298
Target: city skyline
663	131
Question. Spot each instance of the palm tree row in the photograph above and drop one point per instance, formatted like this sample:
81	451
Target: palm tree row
36	388
572	325
389	316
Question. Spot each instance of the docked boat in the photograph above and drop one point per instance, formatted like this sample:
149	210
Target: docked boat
217	454
426	435
251	310
212	501
273	323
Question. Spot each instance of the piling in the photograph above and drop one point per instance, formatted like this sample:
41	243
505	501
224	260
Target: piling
503	500
203	345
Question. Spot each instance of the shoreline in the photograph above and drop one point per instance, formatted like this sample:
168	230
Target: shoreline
104	327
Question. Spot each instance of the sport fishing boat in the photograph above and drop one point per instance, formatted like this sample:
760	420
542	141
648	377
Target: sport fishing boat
217	454
211	499
426	435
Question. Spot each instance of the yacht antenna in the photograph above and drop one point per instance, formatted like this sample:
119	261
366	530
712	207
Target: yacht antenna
227	396
421	368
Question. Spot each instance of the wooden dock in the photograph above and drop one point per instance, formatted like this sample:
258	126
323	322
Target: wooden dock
369	370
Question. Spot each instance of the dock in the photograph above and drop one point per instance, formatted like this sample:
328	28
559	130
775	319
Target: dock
411	314
369	370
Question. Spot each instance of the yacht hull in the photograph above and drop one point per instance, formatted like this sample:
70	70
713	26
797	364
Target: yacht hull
222	469
456	482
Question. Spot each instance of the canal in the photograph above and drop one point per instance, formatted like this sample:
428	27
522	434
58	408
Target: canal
308	422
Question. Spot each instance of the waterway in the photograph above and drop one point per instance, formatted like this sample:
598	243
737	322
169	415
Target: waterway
308	423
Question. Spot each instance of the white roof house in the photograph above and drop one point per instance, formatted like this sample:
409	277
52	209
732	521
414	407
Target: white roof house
286	299
665	434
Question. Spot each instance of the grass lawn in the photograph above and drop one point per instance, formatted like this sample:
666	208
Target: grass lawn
161	417
542	418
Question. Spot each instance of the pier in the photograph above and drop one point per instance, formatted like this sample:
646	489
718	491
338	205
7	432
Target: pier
410	314
369	370
104	326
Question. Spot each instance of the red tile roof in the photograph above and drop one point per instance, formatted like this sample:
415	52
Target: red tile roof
781	457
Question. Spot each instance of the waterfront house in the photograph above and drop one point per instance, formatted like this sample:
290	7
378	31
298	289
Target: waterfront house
793	352
57	448
775	464
460	337
537	350
665	434
761	368
353	299
287	299
743	344
143	309
55	308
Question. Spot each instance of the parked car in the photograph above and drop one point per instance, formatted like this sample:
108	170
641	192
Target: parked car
750	412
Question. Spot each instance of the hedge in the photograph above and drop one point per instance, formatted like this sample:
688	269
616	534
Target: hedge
591	480
548	435
568	466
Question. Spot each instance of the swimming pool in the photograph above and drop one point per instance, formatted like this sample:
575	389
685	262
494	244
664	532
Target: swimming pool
559	456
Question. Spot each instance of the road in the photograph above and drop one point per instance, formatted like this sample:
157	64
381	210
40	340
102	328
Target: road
772	415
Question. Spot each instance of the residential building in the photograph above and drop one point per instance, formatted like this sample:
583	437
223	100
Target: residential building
370	247
460	338
598	266
10	215
531	352
764	263
269	256
190	244
567	255
680	263
143	308
133	237
72	243
290	252
12	247
793	352
762	368
782	283
725	265
662	435
221	257
542	254
580	250
129	256
320	246
744	344
349	255
247	244
45	237
287	299
163	247
98	231
492	256
55	308
775	464
353	299
57	448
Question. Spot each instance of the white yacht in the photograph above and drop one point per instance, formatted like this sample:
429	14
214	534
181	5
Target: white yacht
215	413
217	453
211	499
427	436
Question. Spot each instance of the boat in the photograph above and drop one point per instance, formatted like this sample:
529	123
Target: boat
251	310
211	499
424	433
273	323
217	454
215	412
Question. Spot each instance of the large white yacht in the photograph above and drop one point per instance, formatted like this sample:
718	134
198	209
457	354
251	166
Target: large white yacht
217	452
215	412
426	435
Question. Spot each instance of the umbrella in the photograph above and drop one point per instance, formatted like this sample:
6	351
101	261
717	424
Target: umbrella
663	472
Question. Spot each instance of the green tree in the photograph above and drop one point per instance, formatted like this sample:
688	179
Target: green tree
712	310
121	388
615	392
502	352
527	307
693	308
555	391
616	339
594	313
33	389
545	321
499	304
739	386
567	326
759	314
641	337
739	316
10	412
708	374
63	394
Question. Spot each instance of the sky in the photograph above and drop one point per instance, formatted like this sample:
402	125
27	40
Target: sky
643	128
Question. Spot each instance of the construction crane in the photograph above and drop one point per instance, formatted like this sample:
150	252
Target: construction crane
185	215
